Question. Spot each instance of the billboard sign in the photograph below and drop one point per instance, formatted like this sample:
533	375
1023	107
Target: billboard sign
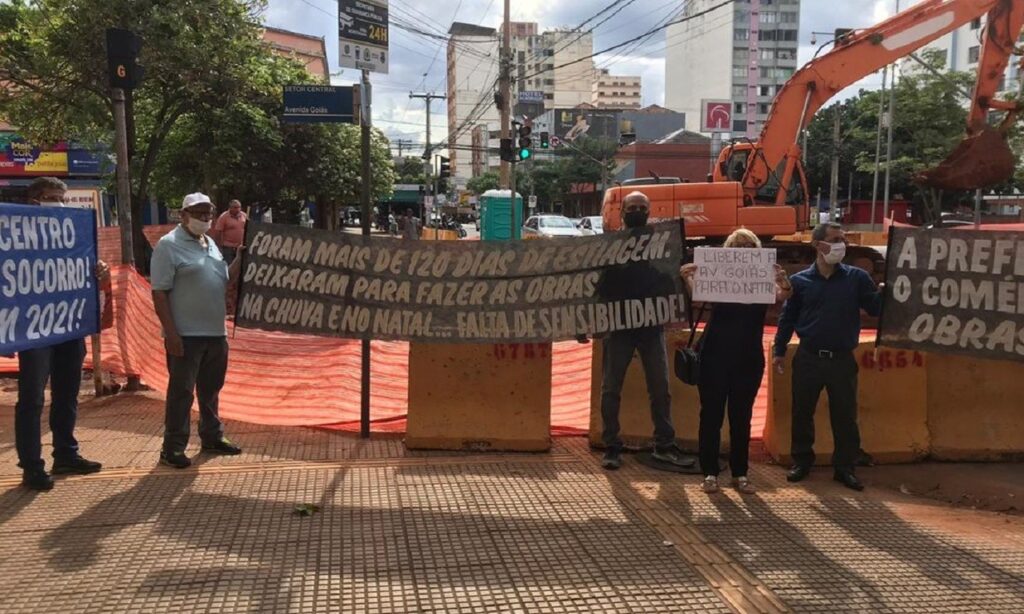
531	96
20	158
715	116
363	34
573	124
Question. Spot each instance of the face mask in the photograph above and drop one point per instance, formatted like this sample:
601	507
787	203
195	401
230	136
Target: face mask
835	256
635	219
198	227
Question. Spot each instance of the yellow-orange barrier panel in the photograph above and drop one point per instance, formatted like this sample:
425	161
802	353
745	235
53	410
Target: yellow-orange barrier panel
432	234
975	408
479	397
635	410
892	407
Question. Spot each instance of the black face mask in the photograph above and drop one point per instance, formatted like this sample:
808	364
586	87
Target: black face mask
635	219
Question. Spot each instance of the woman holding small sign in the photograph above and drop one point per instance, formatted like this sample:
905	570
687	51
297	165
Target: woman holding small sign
731	368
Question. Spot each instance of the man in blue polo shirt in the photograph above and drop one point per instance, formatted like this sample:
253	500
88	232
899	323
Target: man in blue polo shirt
190	281
825	312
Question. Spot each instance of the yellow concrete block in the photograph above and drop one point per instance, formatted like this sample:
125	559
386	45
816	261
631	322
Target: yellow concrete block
479	397
975	408
432	234
635	411
892	407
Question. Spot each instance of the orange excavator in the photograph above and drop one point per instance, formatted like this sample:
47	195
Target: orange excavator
761	185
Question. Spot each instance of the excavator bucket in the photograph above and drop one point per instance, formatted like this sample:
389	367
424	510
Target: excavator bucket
979	161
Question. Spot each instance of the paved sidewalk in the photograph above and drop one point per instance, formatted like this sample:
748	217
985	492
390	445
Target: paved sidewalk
447	532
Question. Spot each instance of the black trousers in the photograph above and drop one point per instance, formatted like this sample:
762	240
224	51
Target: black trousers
731	382
200	372
619	348
61	364
838	376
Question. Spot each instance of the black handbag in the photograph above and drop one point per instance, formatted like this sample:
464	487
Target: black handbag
687	359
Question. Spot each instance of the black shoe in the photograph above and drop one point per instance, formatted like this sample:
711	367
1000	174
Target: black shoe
798	473
178	460
849	480
612	460
223	446
37	479
673	456
76	465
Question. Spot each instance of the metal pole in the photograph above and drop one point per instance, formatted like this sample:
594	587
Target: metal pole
888	147
878	148
977	209
833	191
124	188
365	100
512	209
505	71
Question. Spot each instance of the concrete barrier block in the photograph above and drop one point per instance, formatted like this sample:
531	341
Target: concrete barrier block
892	408
479	397
635	412
975	408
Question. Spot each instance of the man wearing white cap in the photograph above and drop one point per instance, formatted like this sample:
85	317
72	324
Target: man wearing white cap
190	281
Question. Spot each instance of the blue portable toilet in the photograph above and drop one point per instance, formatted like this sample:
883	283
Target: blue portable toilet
496	216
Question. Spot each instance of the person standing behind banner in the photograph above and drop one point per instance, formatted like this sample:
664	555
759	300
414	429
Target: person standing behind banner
637	280
731	369
229	231
61	364
190	281
825	312
410	226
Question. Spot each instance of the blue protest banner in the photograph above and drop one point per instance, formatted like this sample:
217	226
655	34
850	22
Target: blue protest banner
48	288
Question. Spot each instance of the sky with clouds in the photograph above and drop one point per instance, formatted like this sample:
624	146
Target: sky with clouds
418	63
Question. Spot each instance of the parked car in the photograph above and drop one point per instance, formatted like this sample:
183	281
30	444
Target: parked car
592	225
549	226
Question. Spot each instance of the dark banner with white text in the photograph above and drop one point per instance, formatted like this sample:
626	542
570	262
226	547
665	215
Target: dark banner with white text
345	285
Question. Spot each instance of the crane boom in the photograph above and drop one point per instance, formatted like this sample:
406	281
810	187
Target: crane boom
861	53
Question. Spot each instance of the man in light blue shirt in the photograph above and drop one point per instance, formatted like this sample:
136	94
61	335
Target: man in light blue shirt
190	281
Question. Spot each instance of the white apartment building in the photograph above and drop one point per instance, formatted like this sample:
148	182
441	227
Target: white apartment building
473	72
538	64
743	52
963	49
616	91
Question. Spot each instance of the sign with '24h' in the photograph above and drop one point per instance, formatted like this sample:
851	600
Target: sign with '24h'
48	290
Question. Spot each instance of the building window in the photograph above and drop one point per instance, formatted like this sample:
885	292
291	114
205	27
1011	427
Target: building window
549	81
739	107
739	71
522	57
741	35
763	108
739	125
973	53
787	35
789	18
740	54
739	91
769	17
785	54
767	54
766	35
976	24
767	90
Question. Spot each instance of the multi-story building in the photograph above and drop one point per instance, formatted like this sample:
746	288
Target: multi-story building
310	51
473	71
616	91
963	50
742	52
540	70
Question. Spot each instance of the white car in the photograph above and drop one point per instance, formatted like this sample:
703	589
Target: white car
592	225
549	226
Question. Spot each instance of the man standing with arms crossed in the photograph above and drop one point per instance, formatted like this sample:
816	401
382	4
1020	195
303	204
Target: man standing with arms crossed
190	281
825	312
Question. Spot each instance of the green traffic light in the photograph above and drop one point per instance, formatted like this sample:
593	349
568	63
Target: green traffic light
524	154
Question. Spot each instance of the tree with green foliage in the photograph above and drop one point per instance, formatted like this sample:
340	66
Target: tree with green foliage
410	170
482	183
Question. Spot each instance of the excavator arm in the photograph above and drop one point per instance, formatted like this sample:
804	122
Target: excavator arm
776	156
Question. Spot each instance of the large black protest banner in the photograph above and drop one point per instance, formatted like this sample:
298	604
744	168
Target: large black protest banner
345	285
958	291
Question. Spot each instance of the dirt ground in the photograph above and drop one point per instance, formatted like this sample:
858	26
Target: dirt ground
996	487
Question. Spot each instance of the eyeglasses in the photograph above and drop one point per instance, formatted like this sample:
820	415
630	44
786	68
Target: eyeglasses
206	215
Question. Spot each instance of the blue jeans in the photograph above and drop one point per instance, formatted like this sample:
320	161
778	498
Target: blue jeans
61	364
618	353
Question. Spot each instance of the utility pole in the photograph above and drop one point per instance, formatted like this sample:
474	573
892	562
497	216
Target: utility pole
878	147
888	148
505	93
365	94
428	97
833	192
401	144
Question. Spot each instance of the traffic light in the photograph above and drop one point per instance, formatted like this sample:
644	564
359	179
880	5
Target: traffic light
525	142
445	169
123	48
545	140
507	151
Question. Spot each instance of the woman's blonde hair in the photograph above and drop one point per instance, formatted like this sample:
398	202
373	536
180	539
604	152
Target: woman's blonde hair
742	233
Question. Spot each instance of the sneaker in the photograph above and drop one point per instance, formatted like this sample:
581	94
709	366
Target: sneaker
612	460
76	465
178	460
222	446
710	484
37	479
673	456
743	485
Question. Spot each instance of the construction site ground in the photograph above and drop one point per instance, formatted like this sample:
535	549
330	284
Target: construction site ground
389	530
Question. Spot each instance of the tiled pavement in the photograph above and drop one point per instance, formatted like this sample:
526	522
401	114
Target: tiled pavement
448	532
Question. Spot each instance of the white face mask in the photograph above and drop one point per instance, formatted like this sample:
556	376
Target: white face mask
836	254
198	227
